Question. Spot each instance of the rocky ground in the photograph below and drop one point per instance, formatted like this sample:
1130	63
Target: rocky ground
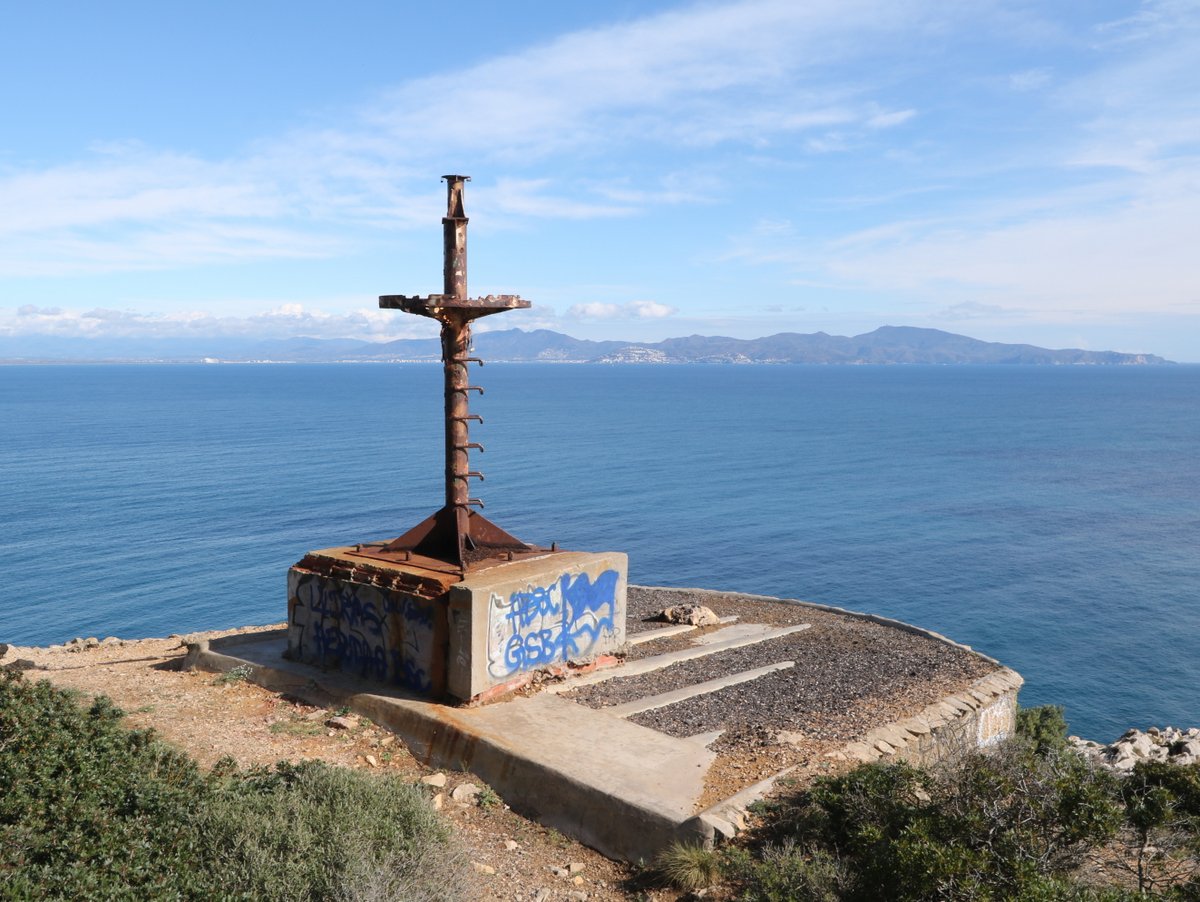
212	716
1155	744
850	676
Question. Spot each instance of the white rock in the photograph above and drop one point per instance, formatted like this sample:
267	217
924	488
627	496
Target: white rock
465	792
694	614
512	845
437	781
481	868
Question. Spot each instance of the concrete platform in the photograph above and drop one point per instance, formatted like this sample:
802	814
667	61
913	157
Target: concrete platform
623	789
629	789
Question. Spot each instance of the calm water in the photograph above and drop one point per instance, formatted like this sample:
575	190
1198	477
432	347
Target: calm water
1047	516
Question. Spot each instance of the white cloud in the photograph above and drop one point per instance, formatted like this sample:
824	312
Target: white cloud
890	120
1135	251
1030	79
742	72
281	321
974	310
631	310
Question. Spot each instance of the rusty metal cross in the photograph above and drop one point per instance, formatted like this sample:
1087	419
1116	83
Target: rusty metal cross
455	535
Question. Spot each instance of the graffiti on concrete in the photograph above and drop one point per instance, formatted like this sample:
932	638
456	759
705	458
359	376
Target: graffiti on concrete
996	721
361	629
540	625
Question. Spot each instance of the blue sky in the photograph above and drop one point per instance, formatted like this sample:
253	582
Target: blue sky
1012	171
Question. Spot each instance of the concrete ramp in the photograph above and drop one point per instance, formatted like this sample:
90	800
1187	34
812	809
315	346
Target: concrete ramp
623	789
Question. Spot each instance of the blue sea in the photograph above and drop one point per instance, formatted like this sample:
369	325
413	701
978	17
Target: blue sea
1048	516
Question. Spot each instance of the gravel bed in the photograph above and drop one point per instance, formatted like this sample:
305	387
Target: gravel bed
623	689
850	675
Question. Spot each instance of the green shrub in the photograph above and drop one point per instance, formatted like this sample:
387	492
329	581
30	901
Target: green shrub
1008	825
786	873
91	810
1162	810
1043	726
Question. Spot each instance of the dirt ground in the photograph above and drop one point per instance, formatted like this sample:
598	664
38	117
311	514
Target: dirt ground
210	717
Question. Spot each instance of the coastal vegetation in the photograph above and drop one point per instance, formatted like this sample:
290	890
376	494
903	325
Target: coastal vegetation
1031	821
93	810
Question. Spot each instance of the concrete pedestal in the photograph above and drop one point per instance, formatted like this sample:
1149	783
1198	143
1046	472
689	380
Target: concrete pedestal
406	626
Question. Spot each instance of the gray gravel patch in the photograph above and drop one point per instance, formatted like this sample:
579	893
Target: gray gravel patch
850	674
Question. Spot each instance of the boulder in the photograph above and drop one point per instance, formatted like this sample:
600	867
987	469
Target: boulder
692	614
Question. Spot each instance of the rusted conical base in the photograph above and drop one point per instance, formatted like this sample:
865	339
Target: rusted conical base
434	543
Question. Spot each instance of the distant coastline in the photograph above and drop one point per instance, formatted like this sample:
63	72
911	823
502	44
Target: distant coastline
887	345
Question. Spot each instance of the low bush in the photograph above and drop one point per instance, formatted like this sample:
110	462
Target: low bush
91	810
1017	823
688	867
1043	726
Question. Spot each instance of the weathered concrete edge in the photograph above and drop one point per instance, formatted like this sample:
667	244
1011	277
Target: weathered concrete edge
727	818
858	615
617	828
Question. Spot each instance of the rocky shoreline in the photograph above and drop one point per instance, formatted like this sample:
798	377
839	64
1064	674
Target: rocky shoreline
1169	744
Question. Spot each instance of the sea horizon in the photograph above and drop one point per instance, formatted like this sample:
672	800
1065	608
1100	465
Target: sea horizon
1045	515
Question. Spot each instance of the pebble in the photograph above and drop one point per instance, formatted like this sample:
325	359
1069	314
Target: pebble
372	761
512	845
437	781
481	868
438	801
574	867
559	872
342	723
465	792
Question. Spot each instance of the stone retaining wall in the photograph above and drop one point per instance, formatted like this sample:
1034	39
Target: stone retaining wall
976	718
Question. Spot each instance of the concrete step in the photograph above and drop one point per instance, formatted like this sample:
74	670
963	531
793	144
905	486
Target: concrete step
710	644
664	632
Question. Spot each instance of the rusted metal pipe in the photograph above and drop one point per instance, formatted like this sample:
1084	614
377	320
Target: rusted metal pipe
455	534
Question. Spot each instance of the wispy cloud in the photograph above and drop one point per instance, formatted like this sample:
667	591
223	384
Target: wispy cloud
740	73
282	321
630	310
1030	79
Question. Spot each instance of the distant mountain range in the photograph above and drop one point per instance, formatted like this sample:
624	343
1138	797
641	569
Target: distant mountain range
886	345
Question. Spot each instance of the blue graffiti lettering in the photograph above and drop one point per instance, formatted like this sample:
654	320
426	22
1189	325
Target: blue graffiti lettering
526	607
560	631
